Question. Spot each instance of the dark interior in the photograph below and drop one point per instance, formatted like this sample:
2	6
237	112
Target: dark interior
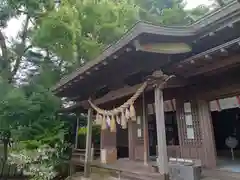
171	131
122	142
226	123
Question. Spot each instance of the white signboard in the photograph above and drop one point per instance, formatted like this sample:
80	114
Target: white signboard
190	133
139	133
187	107
228	103
138	120
189	120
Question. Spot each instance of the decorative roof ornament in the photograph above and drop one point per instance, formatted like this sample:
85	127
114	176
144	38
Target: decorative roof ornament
158	78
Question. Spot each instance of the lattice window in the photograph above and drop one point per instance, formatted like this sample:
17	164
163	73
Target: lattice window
140	127
192	126
196	123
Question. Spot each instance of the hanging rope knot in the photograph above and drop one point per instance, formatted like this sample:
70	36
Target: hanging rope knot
158	78
127	111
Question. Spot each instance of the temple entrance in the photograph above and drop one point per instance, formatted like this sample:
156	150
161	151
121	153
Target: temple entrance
226	125
171	131
122	142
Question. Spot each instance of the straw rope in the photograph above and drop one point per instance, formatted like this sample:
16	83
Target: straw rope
128	103
119	109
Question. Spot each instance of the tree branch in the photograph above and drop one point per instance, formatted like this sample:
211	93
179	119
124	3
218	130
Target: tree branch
22	49
3	47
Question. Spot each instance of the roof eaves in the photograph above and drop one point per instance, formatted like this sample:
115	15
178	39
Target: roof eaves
129	35
135	31
167	31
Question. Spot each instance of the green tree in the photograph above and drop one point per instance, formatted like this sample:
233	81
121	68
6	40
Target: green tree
79	30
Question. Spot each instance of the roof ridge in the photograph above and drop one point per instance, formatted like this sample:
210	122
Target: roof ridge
217	10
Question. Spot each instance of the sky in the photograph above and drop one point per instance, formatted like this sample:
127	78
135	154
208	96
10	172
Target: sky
15	24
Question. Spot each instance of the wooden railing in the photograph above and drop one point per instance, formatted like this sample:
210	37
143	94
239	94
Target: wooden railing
78	155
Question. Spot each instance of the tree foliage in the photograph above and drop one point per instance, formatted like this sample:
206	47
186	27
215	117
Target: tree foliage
79	30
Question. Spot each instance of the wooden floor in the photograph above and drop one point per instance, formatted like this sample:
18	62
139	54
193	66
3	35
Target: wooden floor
132	170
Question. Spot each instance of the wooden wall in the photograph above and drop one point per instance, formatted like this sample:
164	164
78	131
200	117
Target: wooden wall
202	146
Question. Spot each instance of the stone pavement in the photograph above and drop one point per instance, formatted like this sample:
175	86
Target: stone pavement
95	176
207	175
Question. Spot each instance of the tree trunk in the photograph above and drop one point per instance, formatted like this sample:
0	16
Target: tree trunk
4	161
5	150
22	49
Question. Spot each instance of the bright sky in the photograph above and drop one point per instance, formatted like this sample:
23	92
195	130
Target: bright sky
15	24
195	3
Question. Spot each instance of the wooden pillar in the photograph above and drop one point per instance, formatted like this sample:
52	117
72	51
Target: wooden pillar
145	132
208	142
88	145
76	137
161	134
180	124
131	141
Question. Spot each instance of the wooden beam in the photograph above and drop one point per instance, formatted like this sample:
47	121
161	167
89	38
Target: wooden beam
129	90
228	86
214	50
162	158
145	131
88	145
214	66
201	57
122	93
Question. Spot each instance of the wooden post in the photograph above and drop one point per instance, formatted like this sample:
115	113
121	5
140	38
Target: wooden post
131	139
145	131
88	145
162	159
92	152
208	141
76	137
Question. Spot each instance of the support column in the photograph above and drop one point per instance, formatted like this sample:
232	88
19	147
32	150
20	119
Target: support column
145	132
208	142
161	134
131	141
76	137
88	145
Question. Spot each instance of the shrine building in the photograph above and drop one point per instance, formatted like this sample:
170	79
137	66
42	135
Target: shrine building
165	92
